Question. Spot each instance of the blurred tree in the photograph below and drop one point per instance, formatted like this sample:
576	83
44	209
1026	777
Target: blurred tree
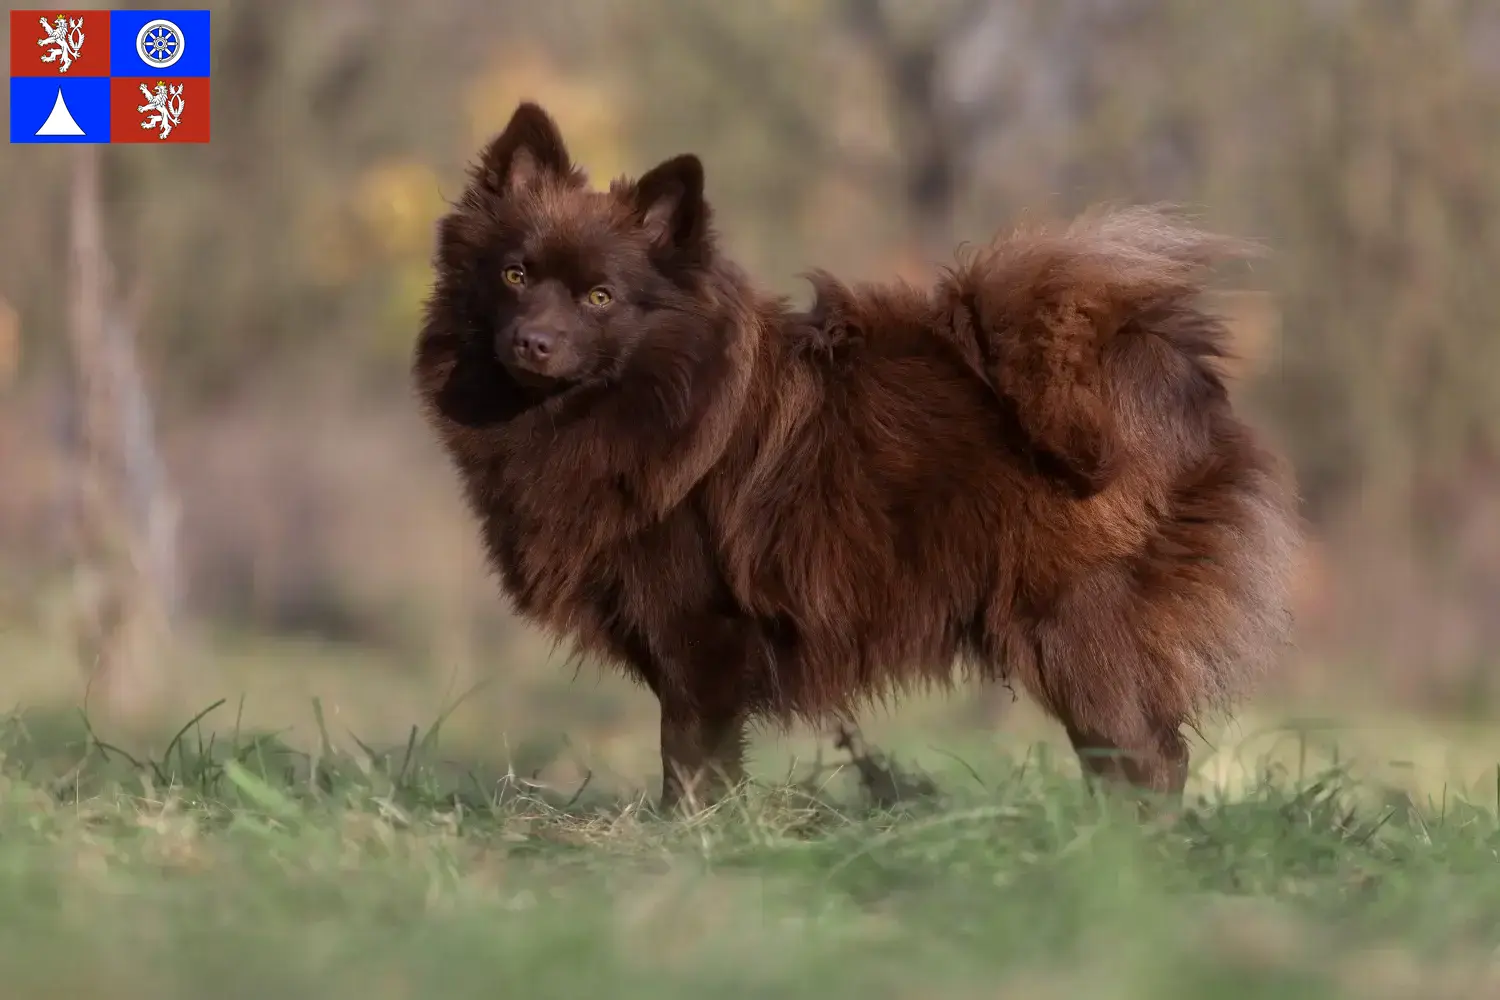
1387	195
126	556
943	68
10	344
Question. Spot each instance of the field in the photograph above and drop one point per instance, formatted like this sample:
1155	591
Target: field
226	862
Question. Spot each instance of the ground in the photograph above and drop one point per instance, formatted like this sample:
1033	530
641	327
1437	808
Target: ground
302	839
234	865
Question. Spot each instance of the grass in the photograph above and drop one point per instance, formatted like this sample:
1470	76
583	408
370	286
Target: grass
234	865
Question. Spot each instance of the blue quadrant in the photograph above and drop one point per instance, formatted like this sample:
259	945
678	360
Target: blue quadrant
125	27
85	100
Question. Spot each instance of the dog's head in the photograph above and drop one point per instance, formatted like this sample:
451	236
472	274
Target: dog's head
562	281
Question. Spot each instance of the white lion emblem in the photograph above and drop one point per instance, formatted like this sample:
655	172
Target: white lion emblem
66	38
168	103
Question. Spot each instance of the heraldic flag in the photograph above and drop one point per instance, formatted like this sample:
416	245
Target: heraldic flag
110	76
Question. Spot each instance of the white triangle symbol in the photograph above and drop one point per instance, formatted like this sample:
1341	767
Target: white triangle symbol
60	121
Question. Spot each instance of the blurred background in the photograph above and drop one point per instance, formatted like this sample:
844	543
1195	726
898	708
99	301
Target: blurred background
214	481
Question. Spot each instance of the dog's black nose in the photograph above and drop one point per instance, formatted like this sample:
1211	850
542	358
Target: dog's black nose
534	345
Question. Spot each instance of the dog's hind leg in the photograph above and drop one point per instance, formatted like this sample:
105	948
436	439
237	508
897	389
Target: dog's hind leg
1122	704
1152	758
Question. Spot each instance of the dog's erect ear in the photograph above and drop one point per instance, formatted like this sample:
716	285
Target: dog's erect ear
529	147
668	201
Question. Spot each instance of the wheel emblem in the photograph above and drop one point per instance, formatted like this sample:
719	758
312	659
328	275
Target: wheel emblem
160	43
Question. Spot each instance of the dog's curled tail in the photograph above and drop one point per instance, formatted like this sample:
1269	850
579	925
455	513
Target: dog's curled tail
1035	310
1096	338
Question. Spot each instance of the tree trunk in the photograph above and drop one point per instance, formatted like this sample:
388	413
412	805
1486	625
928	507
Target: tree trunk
126	554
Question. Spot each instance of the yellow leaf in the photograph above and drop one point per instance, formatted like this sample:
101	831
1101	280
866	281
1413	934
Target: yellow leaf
398	202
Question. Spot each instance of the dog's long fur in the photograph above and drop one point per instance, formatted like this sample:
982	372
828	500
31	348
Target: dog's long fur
1031	468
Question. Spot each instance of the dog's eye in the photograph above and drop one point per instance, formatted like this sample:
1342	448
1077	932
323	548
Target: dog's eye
514	275
600	297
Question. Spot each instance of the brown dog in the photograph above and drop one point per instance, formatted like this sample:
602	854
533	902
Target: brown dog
1032	469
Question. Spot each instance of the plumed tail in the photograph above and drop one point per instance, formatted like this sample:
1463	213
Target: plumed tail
1096	339
1035	310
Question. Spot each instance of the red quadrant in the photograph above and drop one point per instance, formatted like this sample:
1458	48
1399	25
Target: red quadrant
191	108
87	58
